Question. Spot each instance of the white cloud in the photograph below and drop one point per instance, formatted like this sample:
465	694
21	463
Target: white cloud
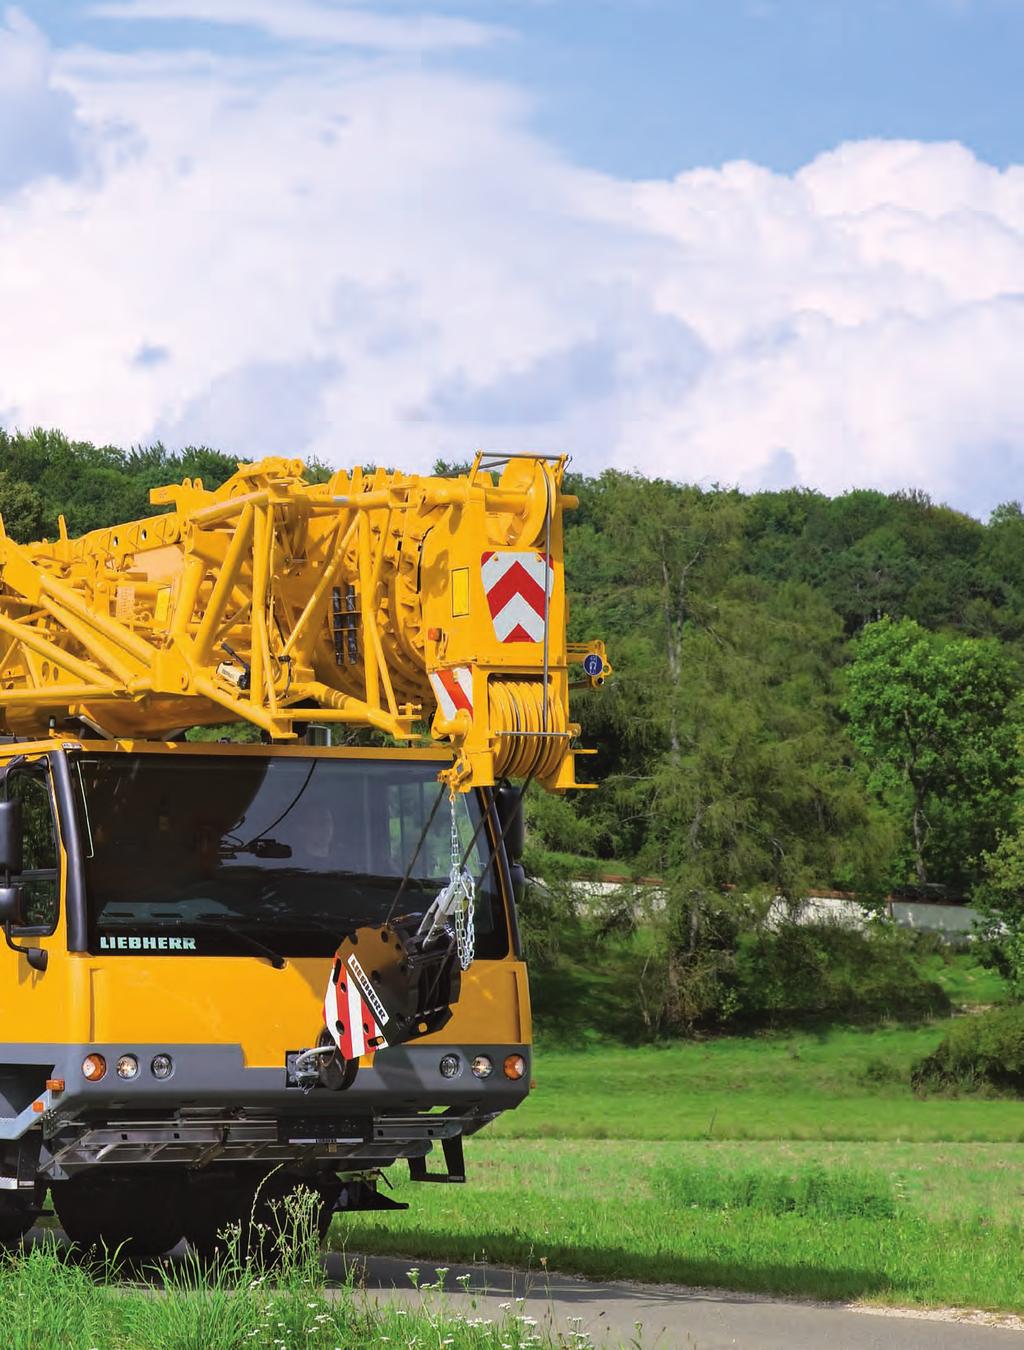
358	259
38	133
310	21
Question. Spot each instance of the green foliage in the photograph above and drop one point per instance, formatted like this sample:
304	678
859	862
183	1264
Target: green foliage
604	968
46	475
936	719
977	1054
803	972
21	508
239	733
1000	900
831	1193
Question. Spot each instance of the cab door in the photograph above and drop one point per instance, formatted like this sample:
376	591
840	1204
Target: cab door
27	1012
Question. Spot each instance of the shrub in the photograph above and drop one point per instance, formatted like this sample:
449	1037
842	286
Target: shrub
812	971
977	1054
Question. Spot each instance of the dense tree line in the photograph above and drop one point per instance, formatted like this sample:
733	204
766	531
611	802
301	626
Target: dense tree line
810	691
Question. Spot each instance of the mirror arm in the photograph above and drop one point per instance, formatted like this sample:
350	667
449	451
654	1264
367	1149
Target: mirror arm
37	957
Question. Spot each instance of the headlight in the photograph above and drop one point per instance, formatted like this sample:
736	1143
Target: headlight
94	1067
483	1066
127	1066
450	1066
514	1066
162	1066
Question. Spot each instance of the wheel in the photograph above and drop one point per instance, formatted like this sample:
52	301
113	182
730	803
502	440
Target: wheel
255	1206
16	1217
133	1215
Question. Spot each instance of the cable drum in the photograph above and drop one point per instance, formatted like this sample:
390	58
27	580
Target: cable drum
525	747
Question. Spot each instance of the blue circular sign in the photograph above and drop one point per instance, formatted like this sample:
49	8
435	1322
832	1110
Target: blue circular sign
593	664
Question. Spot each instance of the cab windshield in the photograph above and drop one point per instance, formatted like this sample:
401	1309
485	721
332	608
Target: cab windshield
192	854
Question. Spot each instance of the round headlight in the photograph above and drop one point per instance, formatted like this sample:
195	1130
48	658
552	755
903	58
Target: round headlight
94	1067
450	1066
483	1066
514	1066
162	1066
127	1066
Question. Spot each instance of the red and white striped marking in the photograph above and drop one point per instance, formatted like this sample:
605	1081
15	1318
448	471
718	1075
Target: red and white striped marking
453	689
353	1024
516	585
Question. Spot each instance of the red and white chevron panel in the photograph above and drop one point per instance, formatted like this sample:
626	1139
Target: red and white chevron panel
517	586
354	1025
453	689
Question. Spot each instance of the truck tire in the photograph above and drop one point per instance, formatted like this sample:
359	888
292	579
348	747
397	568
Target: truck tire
16	1218
132	1215
253	1205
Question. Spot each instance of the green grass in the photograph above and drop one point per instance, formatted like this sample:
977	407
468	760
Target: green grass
51	1299
963	977
789	1164
791	1219
838	1084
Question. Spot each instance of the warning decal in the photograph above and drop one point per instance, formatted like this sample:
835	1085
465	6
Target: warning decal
453	689
518	587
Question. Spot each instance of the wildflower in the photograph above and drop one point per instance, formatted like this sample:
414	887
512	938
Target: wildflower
504	1306
526	1321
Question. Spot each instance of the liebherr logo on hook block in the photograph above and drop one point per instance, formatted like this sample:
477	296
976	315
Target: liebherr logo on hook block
518	586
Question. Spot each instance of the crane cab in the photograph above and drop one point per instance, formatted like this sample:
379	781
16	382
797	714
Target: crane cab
170	914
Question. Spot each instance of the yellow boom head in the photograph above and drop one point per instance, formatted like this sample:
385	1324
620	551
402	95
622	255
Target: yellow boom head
376	599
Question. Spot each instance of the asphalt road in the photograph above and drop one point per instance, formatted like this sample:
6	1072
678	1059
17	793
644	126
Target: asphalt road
664	1317
653	1316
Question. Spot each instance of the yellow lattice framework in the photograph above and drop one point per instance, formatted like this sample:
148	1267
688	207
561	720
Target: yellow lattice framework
376	599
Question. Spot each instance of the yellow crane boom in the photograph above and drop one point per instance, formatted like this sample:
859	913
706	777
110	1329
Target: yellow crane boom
375	599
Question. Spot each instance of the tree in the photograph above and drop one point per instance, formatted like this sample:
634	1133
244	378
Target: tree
21	508
937	718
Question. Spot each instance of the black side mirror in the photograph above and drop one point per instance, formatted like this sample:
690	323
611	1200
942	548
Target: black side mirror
12	915
508	802
12	904
11	837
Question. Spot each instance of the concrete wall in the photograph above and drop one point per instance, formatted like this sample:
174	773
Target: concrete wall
953	921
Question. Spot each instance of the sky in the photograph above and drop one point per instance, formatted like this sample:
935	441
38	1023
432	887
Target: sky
756	242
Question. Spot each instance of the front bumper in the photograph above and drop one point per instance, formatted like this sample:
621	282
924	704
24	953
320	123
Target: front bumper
211	1089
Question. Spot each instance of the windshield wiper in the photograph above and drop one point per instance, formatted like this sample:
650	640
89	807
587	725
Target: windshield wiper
215	921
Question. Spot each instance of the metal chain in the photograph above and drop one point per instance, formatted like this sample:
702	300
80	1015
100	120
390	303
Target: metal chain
462	880
452	909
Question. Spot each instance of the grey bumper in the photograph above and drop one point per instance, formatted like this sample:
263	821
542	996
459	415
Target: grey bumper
402	1082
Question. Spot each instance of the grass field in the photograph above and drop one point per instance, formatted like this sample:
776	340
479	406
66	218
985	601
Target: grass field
798	1164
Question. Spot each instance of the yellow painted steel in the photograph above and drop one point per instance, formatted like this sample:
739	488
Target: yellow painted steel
89	998
275	601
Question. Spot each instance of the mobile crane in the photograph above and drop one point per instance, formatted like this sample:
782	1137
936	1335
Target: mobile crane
232	968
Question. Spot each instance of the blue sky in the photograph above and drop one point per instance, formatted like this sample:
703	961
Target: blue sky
650	87
416	226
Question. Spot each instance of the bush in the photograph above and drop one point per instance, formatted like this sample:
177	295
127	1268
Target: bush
982	1053
803	972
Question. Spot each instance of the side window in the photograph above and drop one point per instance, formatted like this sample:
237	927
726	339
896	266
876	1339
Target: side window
39	876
